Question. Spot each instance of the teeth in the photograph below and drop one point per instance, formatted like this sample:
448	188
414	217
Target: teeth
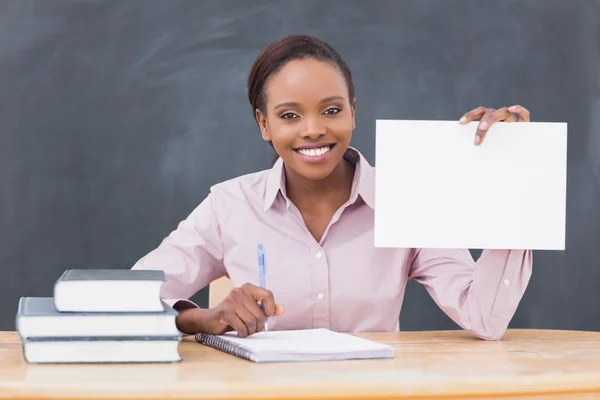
314	152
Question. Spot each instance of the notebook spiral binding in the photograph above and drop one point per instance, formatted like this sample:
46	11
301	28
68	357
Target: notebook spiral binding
220	344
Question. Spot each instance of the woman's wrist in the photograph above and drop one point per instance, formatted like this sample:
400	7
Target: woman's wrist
193	320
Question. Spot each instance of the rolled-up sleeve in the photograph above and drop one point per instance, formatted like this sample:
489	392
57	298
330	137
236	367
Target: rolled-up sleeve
191	256
481	296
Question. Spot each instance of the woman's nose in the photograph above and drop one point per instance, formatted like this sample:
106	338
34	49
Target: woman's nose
314	129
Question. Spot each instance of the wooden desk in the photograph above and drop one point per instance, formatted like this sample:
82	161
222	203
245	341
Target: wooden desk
524	364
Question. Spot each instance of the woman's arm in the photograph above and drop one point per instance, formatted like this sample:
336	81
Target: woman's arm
191	257
481	296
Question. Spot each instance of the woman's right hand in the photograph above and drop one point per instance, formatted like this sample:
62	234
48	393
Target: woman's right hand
239	312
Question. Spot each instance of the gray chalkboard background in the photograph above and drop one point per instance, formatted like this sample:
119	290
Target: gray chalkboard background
117	116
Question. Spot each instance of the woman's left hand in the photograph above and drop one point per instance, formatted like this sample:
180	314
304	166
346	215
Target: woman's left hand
488	116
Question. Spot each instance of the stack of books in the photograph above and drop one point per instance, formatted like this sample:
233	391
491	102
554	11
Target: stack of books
100	316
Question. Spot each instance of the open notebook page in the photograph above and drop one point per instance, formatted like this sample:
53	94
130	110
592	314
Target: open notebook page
309	344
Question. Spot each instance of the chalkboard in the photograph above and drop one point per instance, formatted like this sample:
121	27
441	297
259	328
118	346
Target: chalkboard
117	116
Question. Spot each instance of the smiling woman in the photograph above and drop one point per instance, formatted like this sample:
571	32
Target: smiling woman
308	87
311	133
313	213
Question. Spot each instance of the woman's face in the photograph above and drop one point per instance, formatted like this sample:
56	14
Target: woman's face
309	118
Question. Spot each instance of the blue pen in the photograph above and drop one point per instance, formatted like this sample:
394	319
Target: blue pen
262	271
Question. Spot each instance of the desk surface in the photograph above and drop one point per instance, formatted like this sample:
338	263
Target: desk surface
451	363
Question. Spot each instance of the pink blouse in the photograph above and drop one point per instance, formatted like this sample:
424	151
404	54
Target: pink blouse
342	282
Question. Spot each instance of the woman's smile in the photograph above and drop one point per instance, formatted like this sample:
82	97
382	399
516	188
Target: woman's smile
314	153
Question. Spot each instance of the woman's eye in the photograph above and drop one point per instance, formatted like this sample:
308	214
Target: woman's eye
332	110
288	116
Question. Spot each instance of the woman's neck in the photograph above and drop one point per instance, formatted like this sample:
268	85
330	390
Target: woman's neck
326	194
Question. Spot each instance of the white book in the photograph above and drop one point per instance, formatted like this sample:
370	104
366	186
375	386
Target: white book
109	290
94	350
38	318
435	189
296	345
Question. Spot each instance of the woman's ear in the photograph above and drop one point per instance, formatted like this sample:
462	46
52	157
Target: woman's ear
261	119
353	113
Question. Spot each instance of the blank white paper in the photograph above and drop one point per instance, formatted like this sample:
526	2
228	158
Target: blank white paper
436	189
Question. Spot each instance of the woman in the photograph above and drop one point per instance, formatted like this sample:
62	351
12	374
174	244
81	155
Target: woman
313	213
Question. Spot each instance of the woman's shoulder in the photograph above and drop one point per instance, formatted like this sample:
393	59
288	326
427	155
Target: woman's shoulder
248	187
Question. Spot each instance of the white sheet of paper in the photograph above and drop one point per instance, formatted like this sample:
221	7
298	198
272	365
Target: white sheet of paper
436	189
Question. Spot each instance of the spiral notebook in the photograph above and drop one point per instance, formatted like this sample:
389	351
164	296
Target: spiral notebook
297	345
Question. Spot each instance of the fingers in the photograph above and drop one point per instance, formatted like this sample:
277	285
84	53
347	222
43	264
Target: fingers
490	117
234	311
521	111
241	311
233	320
473	115
278	310
250	321
255	313
263	295
228	315
476	113
483	126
